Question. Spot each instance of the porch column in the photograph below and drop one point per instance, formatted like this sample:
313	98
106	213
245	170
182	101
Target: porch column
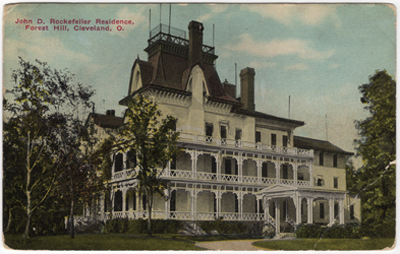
277	216
341	212
124	199
295	173
137	205
258	208
239	160
167	204
266	209
259	170
112	197
218	164
193	203
194	156
310	166
218	196
278	171
298	211
310	211
331	211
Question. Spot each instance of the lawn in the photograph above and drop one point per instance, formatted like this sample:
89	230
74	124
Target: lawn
327	244
97	242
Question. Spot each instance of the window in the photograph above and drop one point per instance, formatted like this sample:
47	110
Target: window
335	160
223	131
258	136
336	211
215	204
118	201
209	129
238	134
321	210
320	182
284	140
273	139
352	212
118	162
335	182
236	168
264	171
228	166
285	171
213	165
300	176
321	159
302	208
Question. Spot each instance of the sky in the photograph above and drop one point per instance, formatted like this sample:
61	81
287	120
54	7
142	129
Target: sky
318	54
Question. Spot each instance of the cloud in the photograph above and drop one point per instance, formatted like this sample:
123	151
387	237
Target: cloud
309	14
125	14
263	64
46	49
214	9
299	67
277	47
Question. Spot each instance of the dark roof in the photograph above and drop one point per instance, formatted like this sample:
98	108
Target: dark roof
266	116
172	71
320	145
106	121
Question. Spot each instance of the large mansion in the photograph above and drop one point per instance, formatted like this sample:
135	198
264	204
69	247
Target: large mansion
236	163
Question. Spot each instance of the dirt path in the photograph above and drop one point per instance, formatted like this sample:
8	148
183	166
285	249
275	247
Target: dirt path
230	245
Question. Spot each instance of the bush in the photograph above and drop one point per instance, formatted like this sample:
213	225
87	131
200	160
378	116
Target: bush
224	227
336	231
140	226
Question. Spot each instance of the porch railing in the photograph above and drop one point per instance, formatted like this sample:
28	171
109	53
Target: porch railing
201	139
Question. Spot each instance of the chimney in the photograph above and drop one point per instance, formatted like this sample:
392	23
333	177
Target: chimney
195	42
247	88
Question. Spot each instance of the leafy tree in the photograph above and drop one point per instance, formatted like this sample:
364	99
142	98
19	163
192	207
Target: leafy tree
152	141
377	147
39	127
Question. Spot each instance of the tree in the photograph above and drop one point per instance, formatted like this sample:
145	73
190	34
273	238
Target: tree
152	141
377	147
40	123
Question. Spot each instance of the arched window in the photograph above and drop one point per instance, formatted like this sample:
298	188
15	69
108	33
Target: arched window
130	159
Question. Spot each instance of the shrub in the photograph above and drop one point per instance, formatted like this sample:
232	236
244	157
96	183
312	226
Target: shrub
140	226
336	231
224	227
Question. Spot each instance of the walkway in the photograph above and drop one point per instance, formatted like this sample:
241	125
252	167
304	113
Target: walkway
230	245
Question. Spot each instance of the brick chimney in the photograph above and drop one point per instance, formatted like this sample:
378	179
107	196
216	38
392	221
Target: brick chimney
195	42
247	88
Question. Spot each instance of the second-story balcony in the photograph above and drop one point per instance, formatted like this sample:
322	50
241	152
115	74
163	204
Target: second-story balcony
245	145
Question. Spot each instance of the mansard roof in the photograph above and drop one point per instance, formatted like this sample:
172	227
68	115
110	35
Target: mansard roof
171	71
319	145
106	121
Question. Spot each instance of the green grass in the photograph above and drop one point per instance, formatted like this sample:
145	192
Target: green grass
327	244
97	242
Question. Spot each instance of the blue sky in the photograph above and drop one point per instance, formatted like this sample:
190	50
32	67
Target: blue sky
317	54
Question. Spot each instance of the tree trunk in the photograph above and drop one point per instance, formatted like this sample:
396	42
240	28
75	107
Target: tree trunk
71	225
9	220
28	207
149	206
